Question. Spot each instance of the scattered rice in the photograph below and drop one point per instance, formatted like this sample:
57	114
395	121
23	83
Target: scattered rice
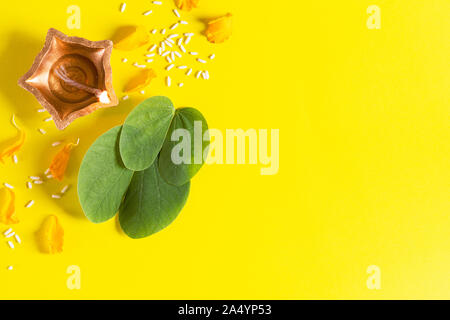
122	7
48	119
181	84
168	81
29	185
175	11
170	66
35	178
9	235
56	196
165	53
212	56
125	97
177	54
15	158
183	22
11	245
7	231
174	26
146	13
38	182
8	185
42	131
149	60
149	55
157	2
163	31
182	67
50	176
41	110
29	204
64	190
47	171
193	53
188	73
56	143
199	73
10	267
154	31
16	236
124	60
173	35
201	60
182	48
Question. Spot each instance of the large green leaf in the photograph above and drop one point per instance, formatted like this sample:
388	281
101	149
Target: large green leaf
103	179
144	131
151	204
181	159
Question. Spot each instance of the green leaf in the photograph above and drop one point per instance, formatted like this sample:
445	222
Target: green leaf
103	179
180	160
144	132
151	204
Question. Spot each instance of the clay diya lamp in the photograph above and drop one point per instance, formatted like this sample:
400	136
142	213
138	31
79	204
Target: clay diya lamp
71	77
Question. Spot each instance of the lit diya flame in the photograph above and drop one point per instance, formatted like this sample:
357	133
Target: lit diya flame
102	96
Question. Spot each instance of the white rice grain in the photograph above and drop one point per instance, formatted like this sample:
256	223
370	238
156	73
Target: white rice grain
175	11
146	13
123	7
16	236
29	204
8	185
168	81
10	244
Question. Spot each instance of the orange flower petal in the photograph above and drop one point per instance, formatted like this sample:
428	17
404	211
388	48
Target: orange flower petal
51	235
220	29
14	147
141	81
131	38
59	163
187	5
7	206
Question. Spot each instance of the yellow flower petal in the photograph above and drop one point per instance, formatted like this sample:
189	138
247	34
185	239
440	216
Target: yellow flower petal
130	38
141	81
187	5
15	146
220	29
51	235
59	163
7	206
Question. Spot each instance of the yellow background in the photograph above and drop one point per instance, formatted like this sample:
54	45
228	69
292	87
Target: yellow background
364	145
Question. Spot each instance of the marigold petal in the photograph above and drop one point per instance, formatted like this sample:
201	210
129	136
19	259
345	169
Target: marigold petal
59	163
51	235
141	81
14	147
130	38
219	30
7	206
187	5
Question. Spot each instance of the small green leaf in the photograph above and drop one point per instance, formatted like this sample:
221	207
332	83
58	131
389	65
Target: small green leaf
103	179
144	132
180	160
151	204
